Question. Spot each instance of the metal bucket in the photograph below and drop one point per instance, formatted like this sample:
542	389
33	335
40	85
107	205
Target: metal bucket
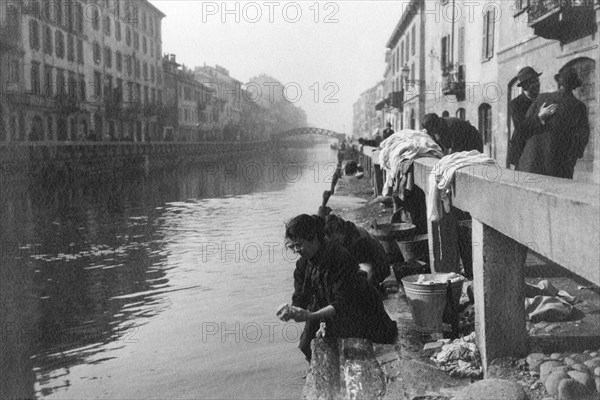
414	247
427	301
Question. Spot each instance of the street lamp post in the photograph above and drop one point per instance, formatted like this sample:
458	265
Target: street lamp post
405	73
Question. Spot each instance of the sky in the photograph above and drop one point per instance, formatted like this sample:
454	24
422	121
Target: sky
325	53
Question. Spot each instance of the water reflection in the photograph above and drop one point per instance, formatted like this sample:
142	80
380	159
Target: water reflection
84	259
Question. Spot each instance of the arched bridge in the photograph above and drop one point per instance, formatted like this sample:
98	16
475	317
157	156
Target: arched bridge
310	131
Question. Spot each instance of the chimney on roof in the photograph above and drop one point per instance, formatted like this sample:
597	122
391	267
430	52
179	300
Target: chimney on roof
172	57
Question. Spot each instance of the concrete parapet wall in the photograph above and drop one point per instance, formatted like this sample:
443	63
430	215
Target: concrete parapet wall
557	218
18	157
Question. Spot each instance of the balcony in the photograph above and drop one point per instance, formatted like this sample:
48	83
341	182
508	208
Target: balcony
382	104
454	83
563	20
393	100
397	99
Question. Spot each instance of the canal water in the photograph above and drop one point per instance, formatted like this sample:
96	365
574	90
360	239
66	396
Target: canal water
155	285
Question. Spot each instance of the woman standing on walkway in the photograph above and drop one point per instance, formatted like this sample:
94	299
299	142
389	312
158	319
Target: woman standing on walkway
329	288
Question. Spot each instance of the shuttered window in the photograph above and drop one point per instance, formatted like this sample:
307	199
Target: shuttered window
461	45
488	34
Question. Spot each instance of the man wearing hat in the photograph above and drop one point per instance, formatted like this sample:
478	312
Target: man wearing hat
530	82
564	135
388	131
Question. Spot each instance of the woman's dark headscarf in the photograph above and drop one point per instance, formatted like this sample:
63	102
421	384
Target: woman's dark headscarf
305	227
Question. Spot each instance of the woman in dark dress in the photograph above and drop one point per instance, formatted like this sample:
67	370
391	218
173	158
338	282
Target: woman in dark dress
367	250
329	288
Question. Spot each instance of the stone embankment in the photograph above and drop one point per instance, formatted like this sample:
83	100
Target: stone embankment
406	371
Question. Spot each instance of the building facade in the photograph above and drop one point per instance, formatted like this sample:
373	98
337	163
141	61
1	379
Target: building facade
462	64
406	68
90	70
227	107
365	119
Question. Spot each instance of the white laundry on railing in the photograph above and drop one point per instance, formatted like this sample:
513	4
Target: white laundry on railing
407	144
443	175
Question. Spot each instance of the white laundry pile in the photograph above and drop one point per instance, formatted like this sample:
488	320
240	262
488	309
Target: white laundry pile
460	358
403	145
443	176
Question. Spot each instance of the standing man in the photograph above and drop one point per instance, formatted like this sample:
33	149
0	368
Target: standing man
530	82
453	134
388	131
563	136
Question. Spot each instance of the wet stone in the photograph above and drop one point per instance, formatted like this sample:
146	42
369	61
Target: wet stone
580	367
553	380
562	368
593	363
597	372
593	354
547	368
497	389
570	389
569	361
580	358
556	356
534	360
583	378
597	381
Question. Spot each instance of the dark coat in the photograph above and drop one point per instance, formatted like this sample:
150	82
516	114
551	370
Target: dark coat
561	141
387	132
524	129
332	277
459	135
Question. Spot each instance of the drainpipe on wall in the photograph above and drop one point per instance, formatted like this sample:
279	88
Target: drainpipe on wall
452	39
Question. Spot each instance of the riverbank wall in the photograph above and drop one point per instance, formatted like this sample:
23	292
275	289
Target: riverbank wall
406	368
50	157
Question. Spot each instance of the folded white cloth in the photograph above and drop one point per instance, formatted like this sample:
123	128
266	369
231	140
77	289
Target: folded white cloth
443	175
406	144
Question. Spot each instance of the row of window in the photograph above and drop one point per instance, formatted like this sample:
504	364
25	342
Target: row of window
123	91
67	14
129	12
131	39
58	42
55	43
189	93
133	66
402	55
58	82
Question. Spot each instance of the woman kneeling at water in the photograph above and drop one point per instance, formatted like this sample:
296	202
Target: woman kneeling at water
329	287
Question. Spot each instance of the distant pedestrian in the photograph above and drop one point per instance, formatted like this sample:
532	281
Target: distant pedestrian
388	131
530	82
453	134
564	136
